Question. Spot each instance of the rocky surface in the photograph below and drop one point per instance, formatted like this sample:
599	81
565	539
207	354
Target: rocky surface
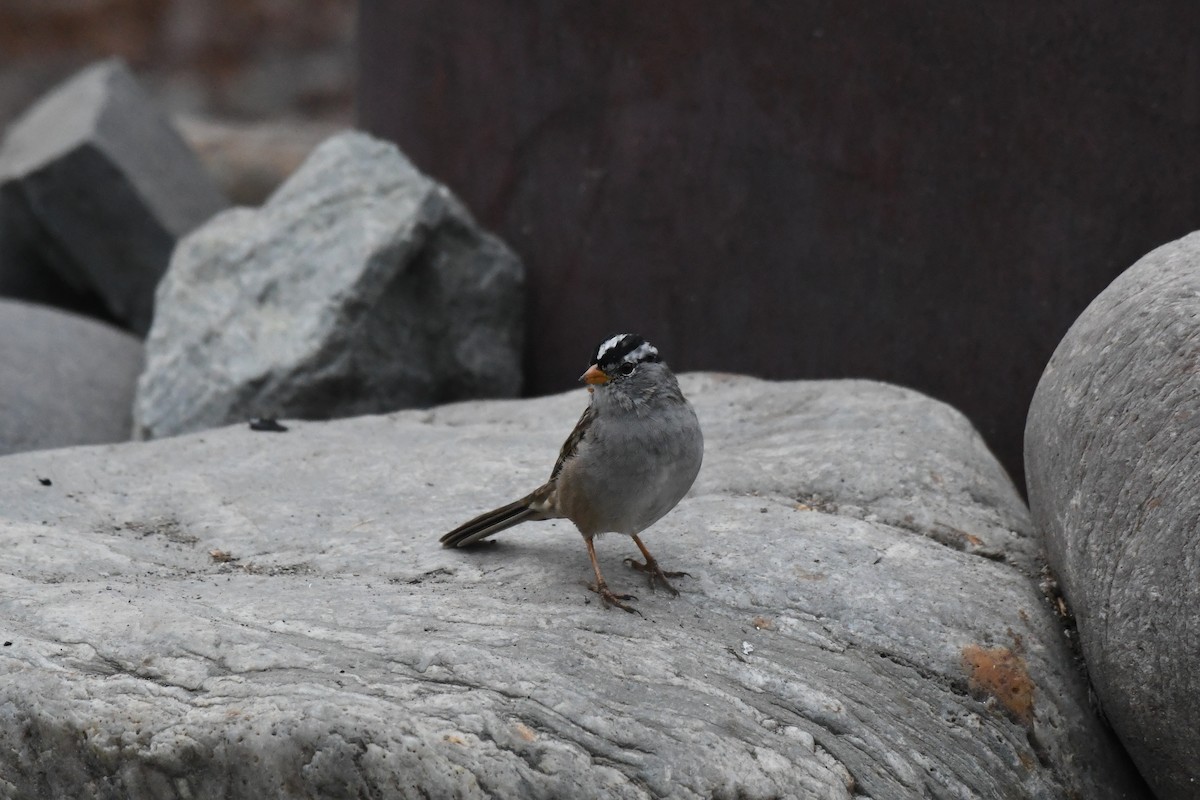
360	286
240	614
1112	452
100	185
64	380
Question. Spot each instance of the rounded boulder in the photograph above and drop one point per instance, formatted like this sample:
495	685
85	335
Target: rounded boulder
1112	454
64	380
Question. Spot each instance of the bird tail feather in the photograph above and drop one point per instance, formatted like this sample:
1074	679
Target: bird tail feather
491	522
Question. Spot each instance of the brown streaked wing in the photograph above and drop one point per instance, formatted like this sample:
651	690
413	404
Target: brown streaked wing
572	443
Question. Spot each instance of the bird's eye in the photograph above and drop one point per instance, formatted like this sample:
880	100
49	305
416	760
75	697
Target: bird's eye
626	368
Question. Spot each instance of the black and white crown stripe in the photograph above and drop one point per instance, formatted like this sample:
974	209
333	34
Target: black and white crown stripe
624	348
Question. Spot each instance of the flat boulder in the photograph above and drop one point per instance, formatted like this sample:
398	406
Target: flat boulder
238	613
1112	453
360	286
96	182
64	380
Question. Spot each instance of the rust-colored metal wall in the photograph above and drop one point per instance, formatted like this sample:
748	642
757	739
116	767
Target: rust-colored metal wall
926	193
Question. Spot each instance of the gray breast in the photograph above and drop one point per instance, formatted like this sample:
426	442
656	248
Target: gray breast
632	470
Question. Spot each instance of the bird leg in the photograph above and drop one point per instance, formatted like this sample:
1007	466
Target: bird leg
601	588
653	571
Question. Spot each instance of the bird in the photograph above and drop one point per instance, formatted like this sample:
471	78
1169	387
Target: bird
633	455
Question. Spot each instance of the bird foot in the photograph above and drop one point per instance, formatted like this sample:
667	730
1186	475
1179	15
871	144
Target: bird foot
655	575
611	599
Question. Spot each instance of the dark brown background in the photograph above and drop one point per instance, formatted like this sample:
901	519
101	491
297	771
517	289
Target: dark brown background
925	193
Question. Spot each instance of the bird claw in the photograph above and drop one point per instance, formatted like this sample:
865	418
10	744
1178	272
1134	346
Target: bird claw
611	599
655	574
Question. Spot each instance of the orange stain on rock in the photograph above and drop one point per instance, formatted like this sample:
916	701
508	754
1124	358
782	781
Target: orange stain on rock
1001	673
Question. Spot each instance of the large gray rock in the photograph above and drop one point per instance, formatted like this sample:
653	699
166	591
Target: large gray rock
1112	451
237	614
102	187
64	380
360	286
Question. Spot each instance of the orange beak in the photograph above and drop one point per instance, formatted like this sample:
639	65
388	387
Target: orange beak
594	375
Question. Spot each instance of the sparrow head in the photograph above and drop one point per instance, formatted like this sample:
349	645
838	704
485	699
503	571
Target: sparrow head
618	357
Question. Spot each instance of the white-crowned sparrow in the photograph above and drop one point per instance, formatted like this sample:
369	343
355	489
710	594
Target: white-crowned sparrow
632	457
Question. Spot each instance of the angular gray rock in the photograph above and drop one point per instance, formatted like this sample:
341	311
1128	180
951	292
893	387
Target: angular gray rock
64	380
102	187
360	286
1112	452
238	614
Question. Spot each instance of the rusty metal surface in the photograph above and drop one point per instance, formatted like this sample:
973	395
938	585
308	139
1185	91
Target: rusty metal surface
925	193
